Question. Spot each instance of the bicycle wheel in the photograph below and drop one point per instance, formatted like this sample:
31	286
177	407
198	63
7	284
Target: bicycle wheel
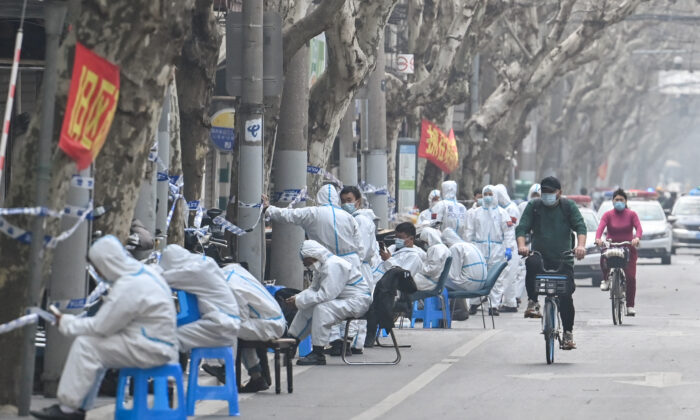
615	297
549	333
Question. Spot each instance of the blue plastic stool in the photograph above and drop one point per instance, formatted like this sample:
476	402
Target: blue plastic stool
189	309
431	314
305	346
227	392
161	408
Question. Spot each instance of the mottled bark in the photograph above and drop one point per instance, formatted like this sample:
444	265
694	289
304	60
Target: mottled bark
196	72
142	38
176	232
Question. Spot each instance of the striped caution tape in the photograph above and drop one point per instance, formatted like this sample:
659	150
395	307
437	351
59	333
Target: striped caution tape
30	318
85	182
30	211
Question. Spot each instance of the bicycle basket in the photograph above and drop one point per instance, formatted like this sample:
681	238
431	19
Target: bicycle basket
552	284
615	257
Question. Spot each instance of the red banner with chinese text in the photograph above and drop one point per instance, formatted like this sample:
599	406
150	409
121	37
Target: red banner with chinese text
438	148
92	101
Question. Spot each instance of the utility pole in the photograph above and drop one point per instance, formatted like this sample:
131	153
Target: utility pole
54	12
68	281
348	152
377	158
250	134
290	169
162	187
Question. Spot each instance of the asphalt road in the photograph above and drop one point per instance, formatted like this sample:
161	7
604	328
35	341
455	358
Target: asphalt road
645	369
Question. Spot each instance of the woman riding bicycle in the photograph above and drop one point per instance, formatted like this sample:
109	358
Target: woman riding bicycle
622	225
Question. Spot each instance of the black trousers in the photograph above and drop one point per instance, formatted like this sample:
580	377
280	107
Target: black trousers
533	265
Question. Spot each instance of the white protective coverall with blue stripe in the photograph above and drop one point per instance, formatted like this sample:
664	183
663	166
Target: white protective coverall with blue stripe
428	276
261	315
337	292
492	231
327	224
510	274
450	213
134	327
468	271
219	312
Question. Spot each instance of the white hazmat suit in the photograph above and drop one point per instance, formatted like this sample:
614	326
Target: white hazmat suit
468	271
428	276
491	230
134	327
337	292
426	216
327	224
219	313
261	315
450	213
409	258
510	274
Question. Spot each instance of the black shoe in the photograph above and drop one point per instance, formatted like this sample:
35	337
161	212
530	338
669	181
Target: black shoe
473	309
355	351
312	359
54	413
336	348
504	308
493	311
219	372
254	385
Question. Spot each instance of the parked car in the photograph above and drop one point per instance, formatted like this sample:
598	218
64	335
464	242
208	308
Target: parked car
589	266
657	238
685	219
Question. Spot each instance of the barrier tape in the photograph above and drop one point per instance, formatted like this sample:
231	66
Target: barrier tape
30	318
32	211
198	216
65	235
84	182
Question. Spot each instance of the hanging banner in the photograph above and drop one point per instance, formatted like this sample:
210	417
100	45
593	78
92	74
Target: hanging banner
92	101
438	148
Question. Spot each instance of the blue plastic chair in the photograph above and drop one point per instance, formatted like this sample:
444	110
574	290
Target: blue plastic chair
227	392
161	407
484	291
434	302
189	309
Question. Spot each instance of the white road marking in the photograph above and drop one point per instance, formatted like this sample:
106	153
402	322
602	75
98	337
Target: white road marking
422	380
651	379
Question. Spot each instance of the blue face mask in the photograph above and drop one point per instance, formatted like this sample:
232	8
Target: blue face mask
487	200
480	202
349	207
619	205
549	199
399	243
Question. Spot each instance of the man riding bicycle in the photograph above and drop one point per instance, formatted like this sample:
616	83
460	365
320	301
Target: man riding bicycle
550	221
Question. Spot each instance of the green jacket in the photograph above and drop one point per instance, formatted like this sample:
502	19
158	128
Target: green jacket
550	229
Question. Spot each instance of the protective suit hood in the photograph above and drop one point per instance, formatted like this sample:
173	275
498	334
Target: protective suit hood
534	189
501	194
328	195
112	260
450	237
174	257
430	236
491	189
431	197
314	250
449	190
367	213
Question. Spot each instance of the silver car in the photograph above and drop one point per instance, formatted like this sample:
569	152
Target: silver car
657	237
589	266
685	218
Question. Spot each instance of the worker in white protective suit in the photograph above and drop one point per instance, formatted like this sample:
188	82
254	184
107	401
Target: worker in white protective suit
478	202
261	320
337	292
426	216
134	327
428	276
535	192
403	253
450	213
219	313
351	199
491	230
326	224
468	271
510	274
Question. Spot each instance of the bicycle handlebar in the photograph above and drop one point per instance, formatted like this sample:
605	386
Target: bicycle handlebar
564	254
608	244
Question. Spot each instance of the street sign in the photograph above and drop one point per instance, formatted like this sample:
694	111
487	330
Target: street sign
222	133
404	63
